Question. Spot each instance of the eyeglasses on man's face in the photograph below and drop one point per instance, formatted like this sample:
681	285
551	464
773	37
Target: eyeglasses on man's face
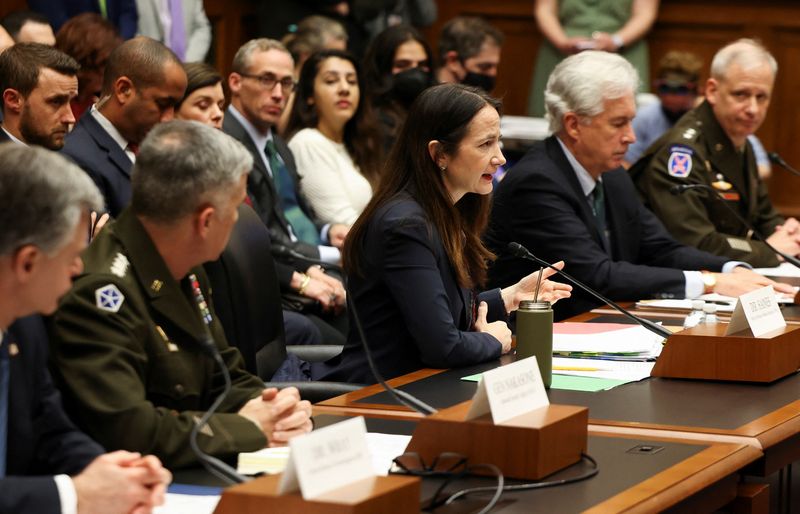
268	81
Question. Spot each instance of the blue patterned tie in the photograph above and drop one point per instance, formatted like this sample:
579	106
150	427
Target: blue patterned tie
302	226
4	372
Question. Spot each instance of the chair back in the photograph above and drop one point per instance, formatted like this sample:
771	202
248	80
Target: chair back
247	297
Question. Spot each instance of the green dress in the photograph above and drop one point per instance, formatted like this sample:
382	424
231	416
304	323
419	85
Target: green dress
581	18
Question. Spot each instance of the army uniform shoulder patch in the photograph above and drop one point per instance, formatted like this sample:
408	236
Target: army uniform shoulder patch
679	163
109	298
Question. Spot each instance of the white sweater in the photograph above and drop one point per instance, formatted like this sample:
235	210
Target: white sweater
330	180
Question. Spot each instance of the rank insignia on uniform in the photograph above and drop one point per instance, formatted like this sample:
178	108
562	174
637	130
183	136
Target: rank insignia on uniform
13	349
680	161
721	184
156	285
109	298
120	265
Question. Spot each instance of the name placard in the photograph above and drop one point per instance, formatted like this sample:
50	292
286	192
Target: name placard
759	310
509	391
327	459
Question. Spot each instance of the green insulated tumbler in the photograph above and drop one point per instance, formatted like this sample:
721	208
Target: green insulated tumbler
535	335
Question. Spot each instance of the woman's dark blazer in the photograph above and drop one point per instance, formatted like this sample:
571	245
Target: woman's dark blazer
414	313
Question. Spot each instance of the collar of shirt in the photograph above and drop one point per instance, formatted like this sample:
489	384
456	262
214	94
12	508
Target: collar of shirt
259	139
113	132
584	179
14	139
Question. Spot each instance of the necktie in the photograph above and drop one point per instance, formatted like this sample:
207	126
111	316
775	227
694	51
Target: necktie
177	33
599	209
4	376
301	225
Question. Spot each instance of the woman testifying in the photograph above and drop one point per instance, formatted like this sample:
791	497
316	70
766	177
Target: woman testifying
415	257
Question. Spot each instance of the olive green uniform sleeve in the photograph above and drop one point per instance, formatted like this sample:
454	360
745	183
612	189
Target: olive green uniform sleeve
134	385
696	217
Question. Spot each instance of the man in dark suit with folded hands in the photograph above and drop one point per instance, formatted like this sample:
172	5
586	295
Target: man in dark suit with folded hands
46	464
569	199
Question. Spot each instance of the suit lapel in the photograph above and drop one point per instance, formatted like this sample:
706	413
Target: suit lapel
105	142
556	154
165	292
260	186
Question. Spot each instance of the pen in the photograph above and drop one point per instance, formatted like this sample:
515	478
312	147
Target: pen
575	368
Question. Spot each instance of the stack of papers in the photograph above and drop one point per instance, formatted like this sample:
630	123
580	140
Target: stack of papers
784	270
725	304
382	447
605	341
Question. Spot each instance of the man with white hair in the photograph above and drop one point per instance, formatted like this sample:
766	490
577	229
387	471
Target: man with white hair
708	147
569	199
47	465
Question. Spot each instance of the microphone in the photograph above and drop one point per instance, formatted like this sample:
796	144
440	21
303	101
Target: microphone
214	465
680	189
401	397
520	251
777	159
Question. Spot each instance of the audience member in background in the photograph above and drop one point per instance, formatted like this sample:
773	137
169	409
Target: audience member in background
130	339
37	83
469	52
569	198
571	26
46	464
333	138
313	33
29	27
677	85
142	82
261	81
377	16
204	101
397	68
181	25
121	13
709	147
89	39
5	39
415	256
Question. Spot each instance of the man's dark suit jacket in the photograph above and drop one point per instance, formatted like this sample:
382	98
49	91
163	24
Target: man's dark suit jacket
94	150
415	315
263	195
541	205
121	13
42	441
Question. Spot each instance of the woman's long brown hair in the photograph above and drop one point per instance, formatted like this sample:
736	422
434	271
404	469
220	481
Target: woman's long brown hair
441	113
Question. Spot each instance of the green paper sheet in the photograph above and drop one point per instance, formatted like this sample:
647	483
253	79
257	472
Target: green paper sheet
571	383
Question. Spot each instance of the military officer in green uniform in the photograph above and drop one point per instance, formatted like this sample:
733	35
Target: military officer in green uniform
709	146
128	338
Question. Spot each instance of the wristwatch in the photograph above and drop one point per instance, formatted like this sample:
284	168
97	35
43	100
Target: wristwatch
709	282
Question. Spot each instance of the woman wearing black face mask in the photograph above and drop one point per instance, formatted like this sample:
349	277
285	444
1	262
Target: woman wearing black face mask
397	68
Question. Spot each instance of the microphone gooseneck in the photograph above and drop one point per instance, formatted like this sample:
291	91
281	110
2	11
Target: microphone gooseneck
520	251
214	465
777	159
680	189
